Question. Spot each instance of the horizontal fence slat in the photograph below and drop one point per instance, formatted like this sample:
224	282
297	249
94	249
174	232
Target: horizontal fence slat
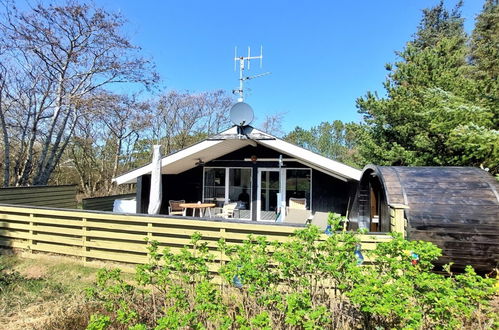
243	225
14	225
53	196
57	248
117	256
121	237
13	244
32	189
105	203
41	237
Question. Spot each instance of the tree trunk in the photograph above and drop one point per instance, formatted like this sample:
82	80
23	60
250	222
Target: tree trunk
6	148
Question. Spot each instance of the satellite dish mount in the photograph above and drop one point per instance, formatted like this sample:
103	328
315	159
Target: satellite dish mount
242	67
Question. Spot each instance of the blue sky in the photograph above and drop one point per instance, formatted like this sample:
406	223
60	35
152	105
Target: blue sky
322	54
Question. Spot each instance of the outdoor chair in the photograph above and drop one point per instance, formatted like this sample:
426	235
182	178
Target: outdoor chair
298	203
174	208
297	216
297	211
227	211
320	220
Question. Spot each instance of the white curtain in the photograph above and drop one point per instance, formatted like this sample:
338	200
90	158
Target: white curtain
155	194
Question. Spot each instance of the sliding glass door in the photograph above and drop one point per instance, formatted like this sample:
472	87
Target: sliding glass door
269	186
277	186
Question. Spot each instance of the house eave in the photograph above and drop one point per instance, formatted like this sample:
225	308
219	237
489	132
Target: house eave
233	139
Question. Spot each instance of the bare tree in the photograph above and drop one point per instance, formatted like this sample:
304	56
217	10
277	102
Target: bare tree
3	126
273	124
63	53
104	139
124	118
182	118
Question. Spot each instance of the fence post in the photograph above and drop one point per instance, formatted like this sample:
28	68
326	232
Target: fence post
31	242
84	239
398	223
222	253
149	231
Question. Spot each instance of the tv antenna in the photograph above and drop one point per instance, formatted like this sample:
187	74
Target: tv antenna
242	67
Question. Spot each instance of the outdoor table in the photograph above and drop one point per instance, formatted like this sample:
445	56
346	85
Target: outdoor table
202	207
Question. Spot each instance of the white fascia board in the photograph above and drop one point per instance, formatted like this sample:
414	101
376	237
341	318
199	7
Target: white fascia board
131	177
312	158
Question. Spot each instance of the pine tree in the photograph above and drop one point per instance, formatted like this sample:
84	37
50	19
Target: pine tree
485	55
430	115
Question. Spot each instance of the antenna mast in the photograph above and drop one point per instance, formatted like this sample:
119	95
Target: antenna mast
242	78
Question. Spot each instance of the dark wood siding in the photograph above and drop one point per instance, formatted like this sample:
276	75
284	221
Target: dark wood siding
49	196
187	185
142	193
246	152
457	208
330	194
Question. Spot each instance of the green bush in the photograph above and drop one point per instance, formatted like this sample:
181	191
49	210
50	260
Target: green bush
304	283
400	290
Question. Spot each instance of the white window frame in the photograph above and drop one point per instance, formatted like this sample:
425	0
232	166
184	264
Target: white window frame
282	188
226	187
311	173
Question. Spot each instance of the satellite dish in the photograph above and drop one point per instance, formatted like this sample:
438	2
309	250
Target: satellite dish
241	114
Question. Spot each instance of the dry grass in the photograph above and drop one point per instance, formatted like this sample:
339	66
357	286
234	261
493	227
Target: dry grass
44	290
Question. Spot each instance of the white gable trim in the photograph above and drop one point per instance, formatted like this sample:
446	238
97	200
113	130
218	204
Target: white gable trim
310	158
131	177
304	156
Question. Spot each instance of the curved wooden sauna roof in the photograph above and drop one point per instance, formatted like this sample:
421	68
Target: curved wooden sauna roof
457	208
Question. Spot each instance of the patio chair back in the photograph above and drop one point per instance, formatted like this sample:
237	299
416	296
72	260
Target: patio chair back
298	203
228	210
175	208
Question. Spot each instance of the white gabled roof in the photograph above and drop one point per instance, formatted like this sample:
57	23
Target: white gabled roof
225	142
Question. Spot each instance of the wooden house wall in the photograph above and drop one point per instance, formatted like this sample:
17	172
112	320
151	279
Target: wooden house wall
328	193
187	185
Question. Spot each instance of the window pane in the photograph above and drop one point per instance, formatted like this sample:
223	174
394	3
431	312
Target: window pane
214	177
298	185
269	190
240	188
214	185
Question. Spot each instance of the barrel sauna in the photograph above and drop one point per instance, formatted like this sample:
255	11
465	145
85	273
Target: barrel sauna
456	208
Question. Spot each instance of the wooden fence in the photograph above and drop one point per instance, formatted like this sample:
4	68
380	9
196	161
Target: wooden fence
120	237
50	196
103	203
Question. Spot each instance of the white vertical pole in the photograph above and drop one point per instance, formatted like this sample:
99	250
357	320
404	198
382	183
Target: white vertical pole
227	185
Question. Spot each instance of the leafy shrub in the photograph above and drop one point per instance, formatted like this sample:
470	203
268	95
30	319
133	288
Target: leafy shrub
400	290
307	282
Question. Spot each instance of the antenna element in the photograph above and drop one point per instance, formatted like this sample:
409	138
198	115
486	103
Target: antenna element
241	60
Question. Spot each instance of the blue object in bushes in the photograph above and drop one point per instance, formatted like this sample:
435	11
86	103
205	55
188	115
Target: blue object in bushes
236	281
358	254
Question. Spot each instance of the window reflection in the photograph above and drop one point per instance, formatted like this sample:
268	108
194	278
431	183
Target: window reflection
298	185
237	189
